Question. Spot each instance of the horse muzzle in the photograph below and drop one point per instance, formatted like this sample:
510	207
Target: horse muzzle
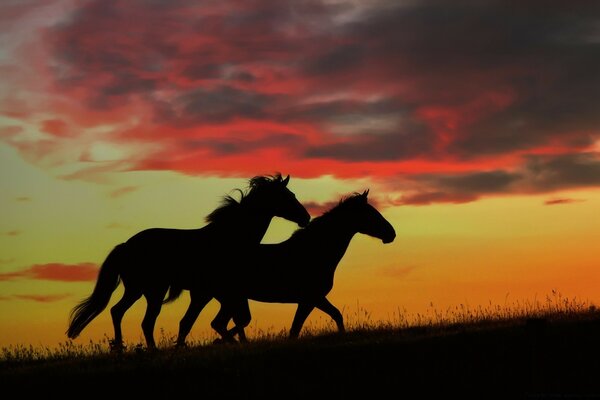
389	239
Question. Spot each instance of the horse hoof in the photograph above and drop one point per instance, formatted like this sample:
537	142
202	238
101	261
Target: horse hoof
116	347
218	341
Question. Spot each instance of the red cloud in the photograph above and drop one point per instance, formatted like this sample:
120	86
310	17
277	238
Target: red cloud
56	127
123	190
40	298
55	272
387	91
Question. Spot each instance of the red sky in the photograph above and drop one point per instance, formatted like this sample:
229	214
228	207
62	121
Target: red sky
444	102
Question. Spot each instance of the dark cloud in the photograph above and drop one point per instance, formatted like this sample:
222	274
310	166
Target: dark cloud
478	182
551	173
537	174
232	146
341	88
377	147
423	198
222	104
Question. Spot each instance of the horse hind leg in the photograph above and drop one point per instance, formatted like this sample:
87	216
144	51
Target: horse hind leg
304	309
331	310
154	300
242	319
221	320
118	311
197	304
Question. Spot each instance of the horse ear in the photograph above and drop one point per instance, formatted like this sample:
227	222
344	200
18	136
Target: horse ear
366	193
285	181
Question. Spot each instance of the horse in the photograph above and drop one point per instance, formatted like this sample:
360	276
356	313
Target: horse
155	259
309	259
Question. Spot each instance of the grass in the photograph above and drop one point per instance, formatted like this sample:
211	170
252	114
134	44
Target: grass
542	348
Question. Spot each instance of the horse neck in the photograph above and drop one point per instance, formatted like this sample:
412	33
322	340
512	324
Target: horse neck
254	225
332	237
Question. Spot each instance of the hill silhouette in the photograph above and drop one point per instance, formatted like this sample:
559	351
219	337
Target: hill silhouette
554	356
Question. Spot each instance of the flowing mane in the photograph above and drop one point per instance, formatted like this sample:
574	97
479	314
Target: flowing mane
229	206
343	204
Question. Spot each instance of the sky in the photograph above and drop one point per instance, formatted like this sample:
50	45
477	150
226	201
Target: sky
475	126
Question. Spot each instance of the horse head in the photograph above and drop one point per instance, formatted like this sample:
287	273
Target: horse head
369	221
276	198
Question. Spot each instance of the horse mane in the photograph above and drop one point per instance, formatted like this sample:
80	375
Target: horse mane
332	212
229	206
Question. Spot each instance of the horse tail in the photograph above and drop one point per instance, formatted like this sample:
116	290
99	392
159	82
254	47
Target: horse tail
174	293
90	307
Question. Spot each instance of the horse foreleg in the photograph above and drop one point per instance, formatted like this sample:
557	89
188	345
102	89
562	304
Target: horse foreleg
331	310
152	311
304	309
197	304
241	319
219	323
117	311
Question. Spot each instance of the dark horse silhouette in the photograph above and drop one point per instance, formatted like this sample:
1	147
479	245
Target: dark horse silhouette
155	259
301	269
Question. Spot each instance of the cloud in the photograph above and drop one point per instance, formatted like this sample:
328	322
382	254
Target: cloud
117	225
444	102
40	298
315	208
56	127
81	272
553	202
397	271
14	232
23	199
534	175
123	191
551	173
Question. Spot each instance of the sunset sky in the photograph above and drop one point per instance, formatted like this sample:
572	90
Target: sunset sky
475	125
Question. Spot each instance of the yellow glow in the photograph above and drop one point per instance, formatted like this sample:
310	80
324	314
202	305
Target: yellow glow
498	250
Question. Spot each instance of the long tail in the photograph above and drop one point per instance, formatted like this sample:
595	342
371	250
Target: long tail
90	307
174	293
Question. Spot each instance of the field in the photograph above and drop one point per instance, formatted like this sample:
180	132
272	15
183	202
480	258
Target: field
541	350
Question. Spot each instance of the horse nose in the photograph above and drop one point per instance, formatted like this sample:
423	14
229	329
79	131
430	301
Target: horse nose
390	238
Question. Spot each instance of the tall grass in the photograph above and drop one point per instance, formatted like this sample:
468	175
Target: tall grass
553	307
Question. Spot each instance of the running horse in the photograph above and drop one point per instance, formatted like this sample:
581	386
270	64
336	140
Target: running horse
153	260
301	269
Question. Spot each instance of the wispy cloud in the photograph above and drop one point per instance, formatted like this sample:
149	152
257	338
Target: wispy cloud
553	202
54	272
123	191
40	298
394	271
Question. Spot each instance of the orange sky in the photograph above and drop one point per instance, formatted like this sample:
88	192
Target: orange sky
475	126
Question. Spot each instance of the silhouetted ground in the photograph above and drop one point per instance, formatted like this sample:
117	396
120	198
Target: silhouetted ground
539	358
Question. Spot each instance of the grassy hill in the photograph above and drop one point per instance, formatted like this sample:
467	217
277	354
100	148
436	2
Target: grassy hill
555	354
